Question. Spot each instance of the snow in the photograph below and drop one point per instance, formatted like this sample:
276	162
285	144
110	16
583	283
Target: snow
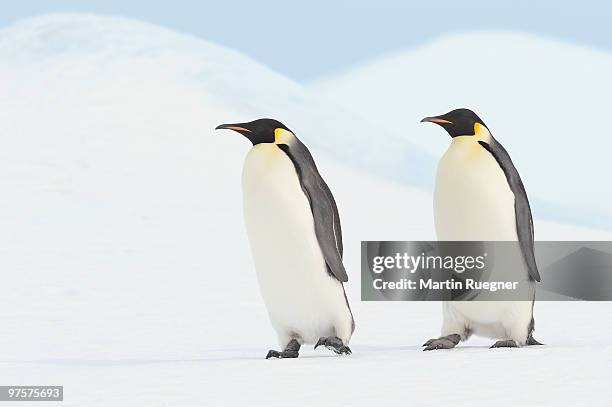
126	273
545	101
101	56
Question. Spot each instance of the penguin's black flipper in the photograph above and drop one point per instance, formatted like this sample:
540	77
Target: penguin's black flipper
522	210
323	207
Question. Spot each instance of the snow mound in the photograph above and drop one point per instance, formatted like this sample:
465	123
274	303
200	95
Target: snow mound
546	101
95	58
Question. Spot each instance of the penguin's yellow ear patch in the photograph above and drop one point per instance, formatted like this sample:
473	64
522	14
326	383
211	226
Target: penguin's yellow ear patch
481	133
282	136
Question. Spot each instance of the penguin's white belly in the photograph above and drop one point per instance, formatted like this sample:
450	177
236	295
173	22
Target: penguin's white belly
302	300
473	201
472	198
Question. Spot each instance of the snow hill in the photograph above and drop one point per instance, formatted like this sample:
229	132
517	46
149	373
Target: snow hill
128	54
126	273
546	101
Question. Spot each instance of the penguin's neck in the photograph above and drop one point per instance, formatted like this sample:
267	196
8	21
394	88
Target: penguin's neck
481	133
464	149
264	159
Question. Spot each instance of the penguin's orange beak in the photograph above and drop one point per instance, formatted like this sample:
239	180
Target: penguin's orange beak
234	127
435	119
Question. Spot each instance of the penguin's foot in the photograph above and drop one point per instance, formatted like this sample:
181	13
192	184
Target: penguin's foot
334	343
291	351
444	342
281	355
532	341
507	343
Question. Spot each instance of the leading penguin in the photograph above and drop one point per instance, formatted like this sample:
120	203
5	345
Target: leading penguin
294	231
479	196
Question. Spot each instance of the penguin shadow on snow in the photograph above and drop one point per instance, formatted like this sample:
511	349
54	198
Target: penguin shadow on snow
134	362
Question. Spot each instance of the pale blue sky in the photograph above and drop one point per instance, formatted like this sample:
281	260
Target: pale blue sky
310	38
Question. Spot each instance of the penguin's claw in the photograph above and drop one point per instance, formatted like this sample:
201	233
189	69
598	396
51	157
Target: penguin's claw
444	342
441	343
532	341
335	344
282	355
342	350
508	343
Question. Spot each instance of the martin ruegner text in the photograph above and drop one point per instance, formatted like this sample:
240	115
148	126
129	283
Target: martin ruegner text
451	284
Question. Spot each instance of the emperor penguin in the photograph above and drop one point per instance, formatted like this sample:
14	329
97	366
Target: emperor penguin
479	196
295	236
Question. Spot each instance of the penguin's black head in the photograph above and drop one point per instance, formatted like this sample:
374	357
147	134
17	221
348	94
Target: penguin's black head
458	122
258	131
